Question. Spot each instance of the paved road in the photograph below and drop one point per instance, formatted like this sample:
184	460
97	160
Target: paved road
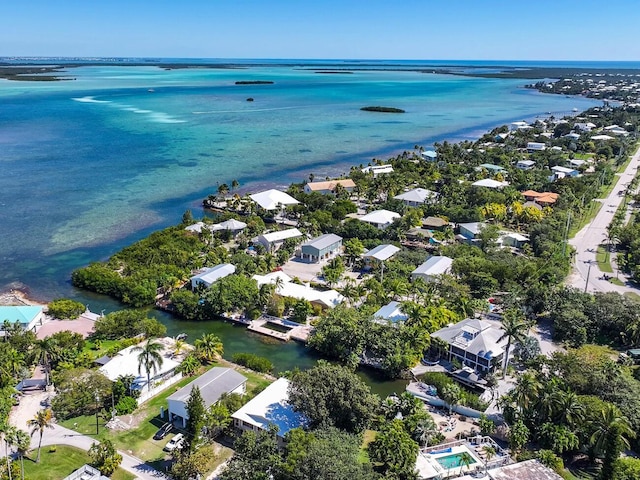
587	240
59	435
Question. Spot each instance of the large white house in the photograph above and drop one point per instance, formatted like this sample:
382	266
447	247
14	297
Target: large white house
285	287
270	407
272	241
273	199
417	197
212	384
209	276
380	218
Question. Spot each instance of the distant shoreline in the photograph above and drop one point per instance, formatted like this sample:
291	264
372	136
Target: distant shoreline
34	72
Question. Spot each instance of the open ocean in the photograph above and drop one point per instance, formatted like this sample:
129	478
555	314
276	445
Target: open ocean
90	165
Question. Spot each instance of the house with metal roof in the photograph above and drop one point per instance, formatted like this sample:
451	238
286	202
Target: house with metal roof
489	183
430	155
285	287
471	230
209	276
432	268
28	316
232	225
270	407
272	241
378	169
417	197
330	186
391	312
321	248
525	164
475	343
381	252
380	218
491	168
273	199
213	384
86	472
536	147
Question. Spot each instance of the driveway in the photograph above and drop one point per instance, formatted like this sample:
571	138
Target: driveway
59	435
586	242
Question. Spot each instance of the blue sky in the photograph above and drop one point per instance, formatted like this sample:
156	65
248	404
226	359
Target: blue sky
354	29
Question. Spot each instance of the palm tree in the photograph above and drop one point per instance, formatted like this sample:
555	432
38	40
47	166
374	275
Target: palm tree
489	453
43	419
234	184
22	442
451	394
209	347
515	330
150	358
570	411
612	431
9	434
466	460
189	365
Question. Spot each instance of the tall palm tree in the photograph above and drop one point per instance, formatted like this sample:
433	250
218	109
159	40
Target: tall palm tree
515	330
489	453
9	434
149	358
209	347
570	411
466	460
22	442
43	419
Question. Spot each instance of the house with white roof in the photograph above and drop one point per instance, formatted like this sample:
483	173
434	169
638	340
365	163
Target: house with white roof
602	138
432	268
471	230
378	169
270	407
28	316
525	164
126	362
233	225
518	126
475	343
562	172
329	187
209	276
213	384
535	147
513	239
321	248
381	252
285	287
273	199
584	126
430	155
489	183
417	197
391	312
196	227
380	218
272	241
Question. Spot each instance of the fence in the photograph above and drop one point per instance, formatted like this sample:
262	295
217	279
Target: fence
147	394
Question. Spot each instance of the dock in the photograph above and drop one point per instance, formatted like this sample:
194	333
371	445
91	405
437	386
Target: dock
292	330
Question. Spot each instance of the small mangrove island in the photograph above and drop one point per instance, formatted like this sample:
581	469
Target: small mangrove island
382	109
254	82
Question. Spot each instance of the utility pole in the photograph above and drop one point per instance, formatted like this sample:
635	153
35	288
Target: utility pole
97	408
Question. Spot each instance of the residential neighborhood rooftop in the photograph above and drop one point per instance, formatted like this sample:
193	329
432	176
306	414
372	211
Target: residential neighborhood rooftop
273	199
381	252
323	241
212	385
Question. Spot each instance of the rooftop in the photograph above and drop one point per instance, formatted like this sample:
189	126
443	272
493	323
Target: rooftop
435	265
281	235
231	224
382	252
392	311
287	288
212	384
19	313
417	195
125	362
528	470
323	241
380	217
479	337
273	199
330	185
490	183
213	274
271	406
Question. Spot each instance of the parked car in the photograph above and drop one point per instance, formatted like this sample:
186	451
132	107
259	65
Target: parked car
175	442
164	430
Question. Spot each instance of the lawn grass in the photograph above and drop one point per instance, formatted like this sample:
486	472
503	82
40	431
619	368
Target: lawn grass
603	257
105	345
139	441
368	437
632	296
592	211
61	463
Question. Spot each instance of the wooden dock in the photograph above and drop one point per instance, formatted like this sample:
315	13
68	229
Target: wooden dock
295	331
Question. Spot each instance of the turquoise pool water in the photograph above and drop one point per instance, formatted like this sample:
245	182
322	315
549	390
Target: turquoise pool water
452	461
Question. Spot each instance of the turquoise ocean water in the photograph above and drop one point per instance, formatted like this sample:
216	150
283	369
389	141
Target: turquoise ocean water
89	165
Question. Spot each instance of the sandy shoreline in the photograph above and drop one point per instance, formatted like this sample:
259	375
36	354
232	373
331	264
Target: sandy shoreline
18	297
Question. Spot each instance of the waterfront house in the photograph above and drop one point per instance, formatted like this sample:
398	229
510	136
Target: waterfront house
518	126
272	241
273	199
491	168
525	164
380	218
391	312
490	183
233	225
321	248
213	384
329	187
286	287
535	147
270	407
196	227
432	268
376	170
417	197
126	362
208	276
28	316
475	343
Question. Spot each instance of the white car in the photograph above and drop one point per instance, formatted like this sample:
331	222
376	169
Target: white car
175	442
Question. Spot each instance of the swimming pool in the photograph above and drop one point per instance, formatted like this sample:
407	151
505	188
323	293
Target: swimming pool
453	461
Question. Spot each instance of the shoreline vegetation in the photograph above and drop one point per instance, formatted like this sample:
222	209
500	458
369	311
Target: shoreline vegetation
382	109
